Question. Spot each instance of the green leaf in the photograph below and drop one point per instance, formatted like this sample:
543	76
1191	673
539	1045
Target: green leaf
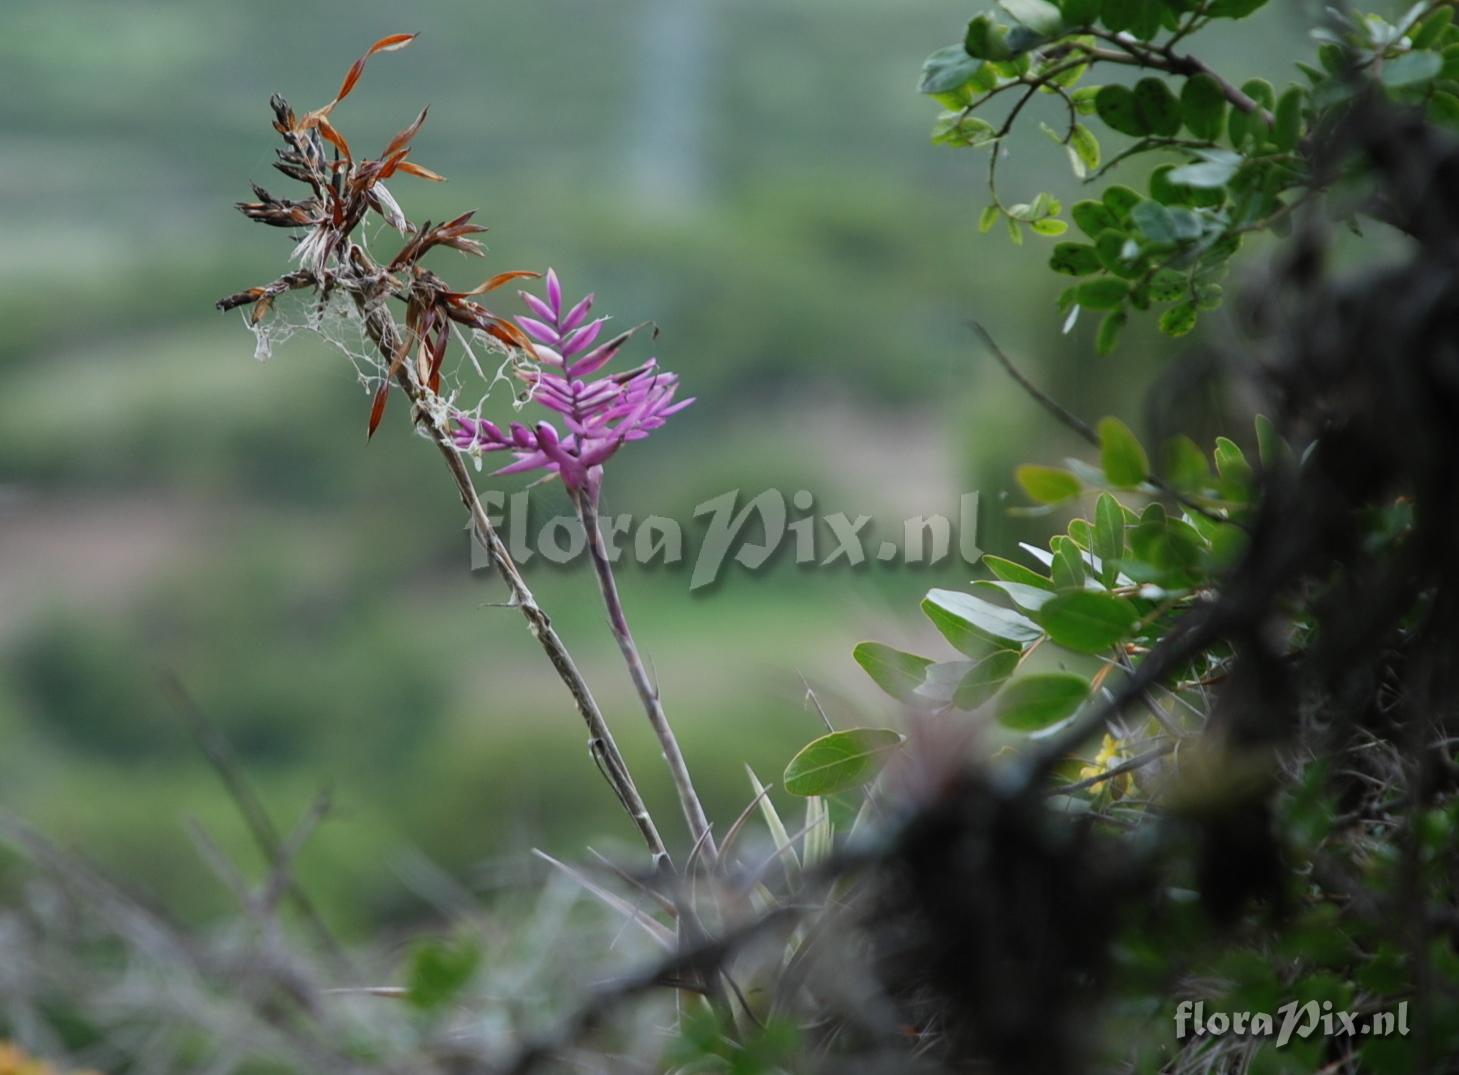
1444	108
1047	485
1167	285
1287	128
988	218
1087	621
1231	462
1109	536
1112	248
984	678
1015	232
1249	126
1411	68
1178	320
1084	146
1154	222
1040	16
439	971
1186	467
1068	565
1033	703
1158	110
1049	226
1116	106
1009	571
1432	28
1028	598
1215	169
961	617
1203	106
1092	218
1104	293
1120	455
840	761
1234	9
948	69
985	39
1120	15
1074	259
957	128
1120	199
897	673
1109	332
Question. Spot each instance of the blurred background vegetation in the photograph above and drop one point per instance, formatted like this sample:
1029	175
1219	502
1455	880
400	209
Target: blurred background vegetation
754	176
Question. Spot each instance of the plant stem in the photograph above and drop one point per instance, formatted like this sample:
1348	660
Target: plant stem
688	799
604	750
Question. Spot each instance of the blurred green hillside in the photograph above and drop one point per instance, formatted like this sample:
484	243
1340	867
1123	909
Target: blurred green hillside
754	177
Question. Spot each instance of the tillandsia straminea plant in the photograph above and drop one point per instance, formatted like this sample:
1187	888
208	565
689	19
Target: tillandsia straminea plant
600	415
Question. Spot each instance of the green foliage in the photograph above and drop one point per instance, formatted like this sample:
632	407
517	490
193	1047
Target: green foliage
840	761
439	971
1234	159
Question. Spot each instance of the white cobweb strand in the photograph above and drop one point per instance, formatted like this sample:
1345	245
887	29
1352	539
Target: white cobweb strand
339	323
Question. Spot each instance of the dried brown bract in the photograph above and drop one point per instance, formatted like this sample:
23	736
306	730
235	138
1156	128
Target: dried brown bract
343	190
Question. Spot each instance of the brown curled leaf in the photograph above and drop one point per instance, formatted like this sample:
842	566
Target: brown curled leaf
420	171
498	280
377	409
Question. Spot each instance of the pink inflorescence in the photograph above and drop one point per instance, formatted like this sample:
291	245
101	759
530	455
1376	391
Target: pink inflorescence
599	415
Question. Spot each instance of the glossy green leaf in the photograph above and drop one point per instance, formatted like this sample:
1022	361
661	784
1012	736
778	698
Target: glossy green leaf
1033	703
1068	565
1087	621
1167	285
1186	467
1178	320
840	761
1287	127
1040	16
960	615
1109	332
988	218
1074	259
1029	598
1015	572
1122	458
1084	146
1411	69
1104	293
984	679
1092	218
1047	485
897	673
1203	106
1109	535
1120	199
1215	169
1157	108
1049	226
1116	106
948	69
985	39
1154	222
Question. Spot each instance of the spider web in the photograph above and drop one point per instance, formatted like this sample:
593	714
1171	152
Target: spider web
475	368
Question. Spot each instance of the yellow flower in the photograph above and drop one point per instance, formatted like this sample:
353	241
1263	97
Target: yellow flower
1110	754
